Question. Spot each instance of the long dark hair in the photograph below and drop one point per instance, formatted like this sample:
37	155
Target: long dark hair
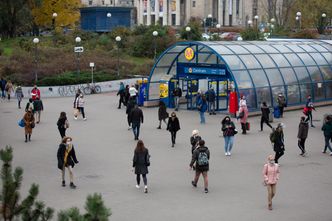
224	120
140	147
63	115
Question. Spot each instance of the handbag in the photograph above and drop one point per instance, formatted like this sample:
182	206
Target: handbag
235	131
32	125
76	112
21	123
241	114
66	124
247	126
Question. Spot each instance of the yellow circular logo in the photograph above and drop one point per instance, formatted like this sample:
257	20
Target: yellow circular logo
189	54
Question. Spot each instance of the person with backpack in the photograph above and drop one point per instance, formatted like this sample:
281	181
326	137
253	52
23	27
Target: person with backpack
173	126
19	95
3	83
202	107
121	92
201	158
29	105
29	124
177	94
62	124
281	101
265	115
303	134
277	139
141	162
243	114
194	140
211	98
38	108
271	174
309	107
229	130
136	118
162	113
327	129
9	89
67	159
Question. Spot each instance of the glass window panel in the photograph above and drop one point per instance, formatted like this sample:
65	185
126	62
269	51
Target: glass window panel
263	94
250	97
328	88
274	77
268	49
302	75
327	72
154	91
167	60
280	60
242	79
307	60
305	91
320	60
222	50
328	57
319	48
288	75
253	49
295	48
275	92
294	59
319	92
250	61
265	60
307	48
207	58
259	78
238	49
234	62
178	48
293	94
220	61
282	48
159	73
315	74
327	46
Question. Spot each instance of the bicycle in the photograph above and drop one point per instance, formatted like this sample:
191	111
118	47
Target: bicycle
92	89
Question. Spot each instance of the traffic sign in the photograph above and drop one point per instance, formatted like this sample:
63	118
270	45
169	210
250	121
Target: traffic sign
78	49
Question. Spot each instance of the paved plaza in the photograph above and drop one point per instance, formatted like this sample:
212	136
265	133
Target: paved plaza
104	148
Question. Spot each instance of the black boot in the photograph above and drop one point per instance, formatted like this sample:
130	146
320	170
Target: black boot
29	137
72	185
26	138
63	183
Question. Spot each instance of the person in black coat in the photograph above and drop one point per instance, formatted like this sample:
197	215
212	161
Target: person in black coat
201	158
38	108
162	113
279	145
63	124
173	126
194	139
130	107
121	92
303	134
265	115
136	118
141	162
67	159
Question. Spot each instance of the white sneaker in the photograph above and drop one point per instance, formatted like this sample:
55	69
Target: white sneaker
75	118
226	154
331	154
84	119
146	189
137	186
229	153
129	127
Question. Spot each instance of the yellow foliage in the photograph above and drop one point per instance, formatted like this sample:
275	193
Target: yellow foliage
68	13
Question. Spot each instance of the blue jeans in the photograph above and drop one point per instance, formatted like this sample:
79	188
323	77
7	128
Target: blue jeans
136	126
327	144
212	107
176	102
201	114
229	140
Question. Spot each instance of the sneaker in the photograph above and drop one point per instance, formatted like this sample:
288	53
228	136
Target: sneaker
206	190
159	127
75	118
145	189
229	153
129	128
63	183
226	154
313	126
331	154
323	151
72	185
84	119
137	186
193	183
172	144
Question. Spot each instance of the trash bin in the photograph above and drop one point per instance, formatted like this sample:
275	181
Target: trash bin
142	84
276	112
271	115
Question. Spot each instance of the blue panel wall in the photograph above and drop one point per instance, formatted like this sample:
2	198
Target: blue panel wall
95	18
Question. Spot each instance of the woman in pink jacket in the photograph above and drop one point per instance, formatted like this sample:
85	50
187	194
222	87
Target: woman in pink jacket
271	176
243	114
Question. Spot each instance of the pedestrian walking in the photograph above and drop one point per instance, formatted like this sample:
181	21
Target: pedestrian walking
76	111
67	159
303	134
141	162
327	129
177	94
200	158
127	95
19	95
265	115
194	140
133	93
29	105
9	89
130	107
309	107
3	83
80	104
173	126
136	118
211	98
277	139
35	92
229	130
271	176
162	113
281	101
243	114
29	124
62	124
202	107
38	108
121	92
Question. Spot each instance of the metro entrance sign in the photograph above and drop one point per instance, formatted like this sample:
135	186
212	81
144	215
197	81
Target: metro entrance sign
78	49
201	70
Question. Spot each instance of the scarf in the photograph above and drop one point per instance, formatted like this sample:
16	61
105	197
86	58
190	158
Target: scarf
68	149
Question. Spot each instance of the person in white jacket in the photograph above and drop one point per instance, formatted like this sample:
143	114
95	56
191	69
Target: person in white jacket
80	102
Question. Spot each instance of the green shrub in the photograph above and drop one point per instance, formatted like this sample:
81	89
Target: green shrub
25	44
305	34
251	34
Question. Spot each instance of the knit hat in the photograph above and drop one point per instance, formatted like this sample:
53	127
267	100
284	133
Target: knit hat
195	132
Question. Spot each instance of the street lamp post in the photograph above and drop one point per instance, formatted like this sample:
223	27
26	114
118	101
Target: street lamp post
298	19
109	15
323	22
188	30
210	20
36	41
155	35
218	28
249	23
78	41
118	39
54	15
256	21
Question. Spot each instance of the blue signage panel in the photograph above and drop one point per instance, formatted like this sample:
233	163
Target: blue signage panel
201	70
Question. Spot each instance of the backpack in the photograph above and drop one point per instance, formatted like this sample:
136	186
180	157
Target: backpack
273	136
203	159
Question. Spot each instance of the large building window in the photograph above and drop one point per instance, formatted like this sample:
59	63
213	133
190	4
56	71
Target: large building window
90	2
237	7
194	4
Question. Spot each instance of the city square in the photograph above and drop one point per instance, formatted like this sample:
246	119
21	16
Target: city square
104	147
